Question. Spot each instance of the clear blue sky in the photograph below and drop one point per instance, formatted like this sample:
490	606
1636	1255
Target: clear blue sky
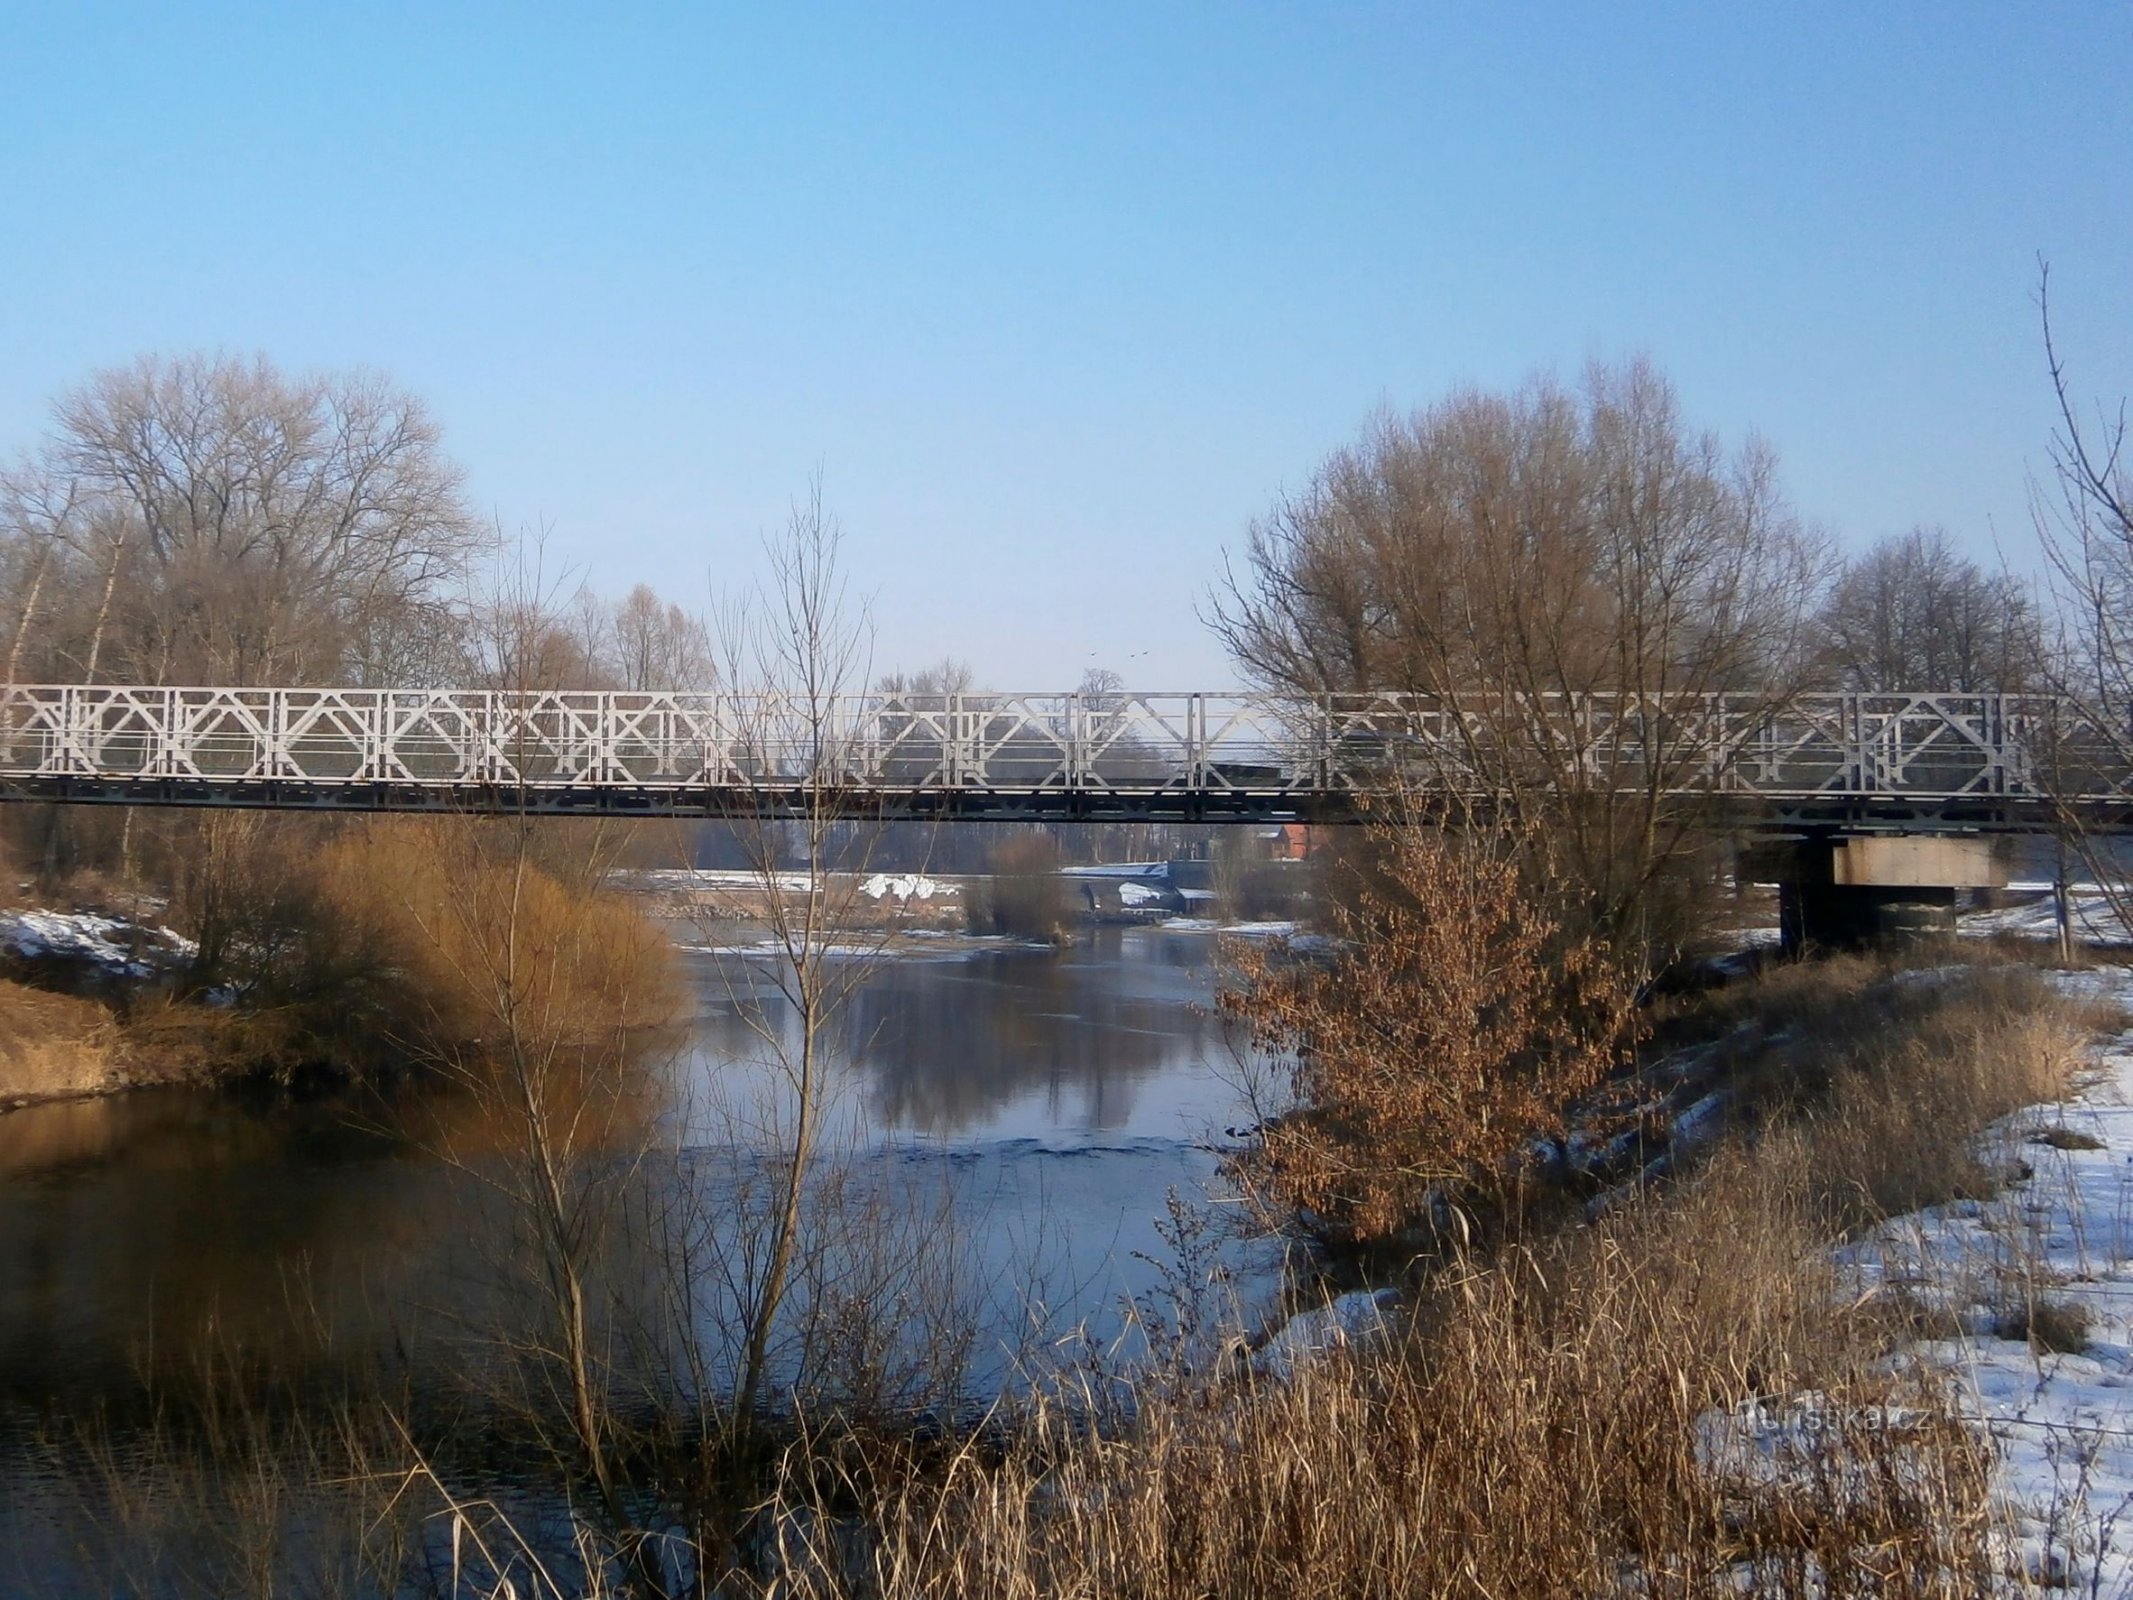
1057	299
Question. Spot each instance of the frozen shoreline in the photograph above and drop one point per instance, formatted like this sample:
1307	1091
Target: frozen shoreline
2058	1234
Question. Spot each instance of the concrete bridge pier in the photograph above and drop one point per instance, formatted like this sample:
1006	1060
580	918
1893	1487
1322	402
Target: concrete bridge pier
1843	892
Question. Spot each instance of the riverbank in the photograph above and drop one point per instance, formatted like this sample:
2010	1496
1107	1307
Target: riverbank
331	956
85	1007
2023	1298
1589	1405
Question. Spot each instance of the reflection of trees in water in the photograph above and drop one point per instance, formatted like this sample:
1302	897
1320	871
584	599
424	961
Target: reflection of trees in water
174	1227
950	1046
161	1236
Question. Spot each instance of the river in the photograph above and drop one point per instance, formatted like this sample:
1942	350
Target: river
1036	1106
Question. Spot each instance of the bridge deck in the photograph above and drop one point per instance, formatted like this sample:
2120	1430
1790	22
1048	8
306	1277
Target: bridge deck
1908	760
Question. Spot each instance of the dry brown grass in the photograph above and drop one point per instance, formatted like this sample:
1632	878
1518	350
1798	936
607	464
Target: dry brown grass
1536	1433
361	947
56	1044
1893	1074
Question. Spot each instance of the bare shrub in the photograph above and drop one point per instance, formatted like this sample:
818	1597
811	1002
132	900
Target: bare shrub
1453	1022
2065	1138
1024	896
355	947
2047	1323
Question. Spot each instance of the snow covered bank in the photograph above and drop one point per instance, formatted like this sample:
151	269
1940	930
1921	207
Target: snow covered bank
2034	1289
905	886
2088	909
110	945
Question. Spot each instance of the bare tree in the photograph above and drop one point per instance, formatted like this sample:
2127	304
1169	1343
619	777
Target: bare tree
644	643
1913	614
929	687
2084	521
658	645
229	522
1562	578
39	518
800	647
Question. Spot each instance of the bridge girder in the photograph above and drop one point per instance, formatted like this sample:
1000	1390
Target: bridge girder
1899	762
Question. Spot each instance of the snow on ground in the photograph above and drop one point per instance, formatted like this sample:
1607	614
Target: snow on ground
2060	1237
1352	1318
889	885
2087	906
111	943
915	944
1245	930
905	886
691	878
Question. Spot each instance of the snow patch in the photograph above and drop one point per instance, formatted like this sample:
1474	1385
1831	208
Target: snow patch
121	948
2061	1236
2088	909
904	886
1309	1335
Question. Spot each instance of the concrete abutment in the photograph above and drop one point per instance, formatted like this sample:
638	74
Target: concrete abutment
1840	891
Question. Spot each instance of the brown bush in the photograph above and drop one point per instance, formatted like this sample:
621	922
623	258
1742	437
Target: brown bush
1451	1024
1024	896
402	936
464	929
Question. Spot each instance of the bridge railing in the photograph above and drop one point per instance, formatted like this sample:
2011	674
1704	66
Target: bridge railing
1913	745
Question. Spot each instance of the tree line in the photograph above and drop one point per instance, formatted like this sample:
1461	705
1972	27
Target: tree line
205	519
209	519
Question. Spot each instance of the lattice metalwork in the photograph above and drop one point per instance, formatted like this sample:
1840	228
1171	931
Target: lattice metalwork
1968	760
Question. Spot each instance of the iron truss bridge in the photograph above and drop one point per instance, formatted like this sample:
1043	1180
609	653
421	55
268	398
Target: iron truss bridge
1899	761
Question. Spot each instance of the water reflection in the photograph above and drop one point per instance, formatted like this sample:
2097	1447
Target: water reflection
1112	1038
1052	1098
1011	1125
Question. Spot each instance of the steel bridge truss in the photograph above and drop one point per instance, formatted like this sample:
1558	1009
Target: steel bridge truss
1916	760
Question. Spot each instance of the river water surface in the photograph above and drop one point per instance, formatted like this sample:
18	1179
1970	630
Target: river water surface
1045	1102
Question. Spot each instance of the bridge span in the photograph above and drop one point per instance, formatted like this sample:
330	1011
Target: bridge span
1903	763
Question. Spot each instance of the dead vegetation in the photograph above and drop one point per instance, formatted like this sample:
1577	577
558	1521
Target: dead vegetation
351	951
1891	1073
1681	1399
360	949
1453	1022
53	1045
1023	895
1547	1425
